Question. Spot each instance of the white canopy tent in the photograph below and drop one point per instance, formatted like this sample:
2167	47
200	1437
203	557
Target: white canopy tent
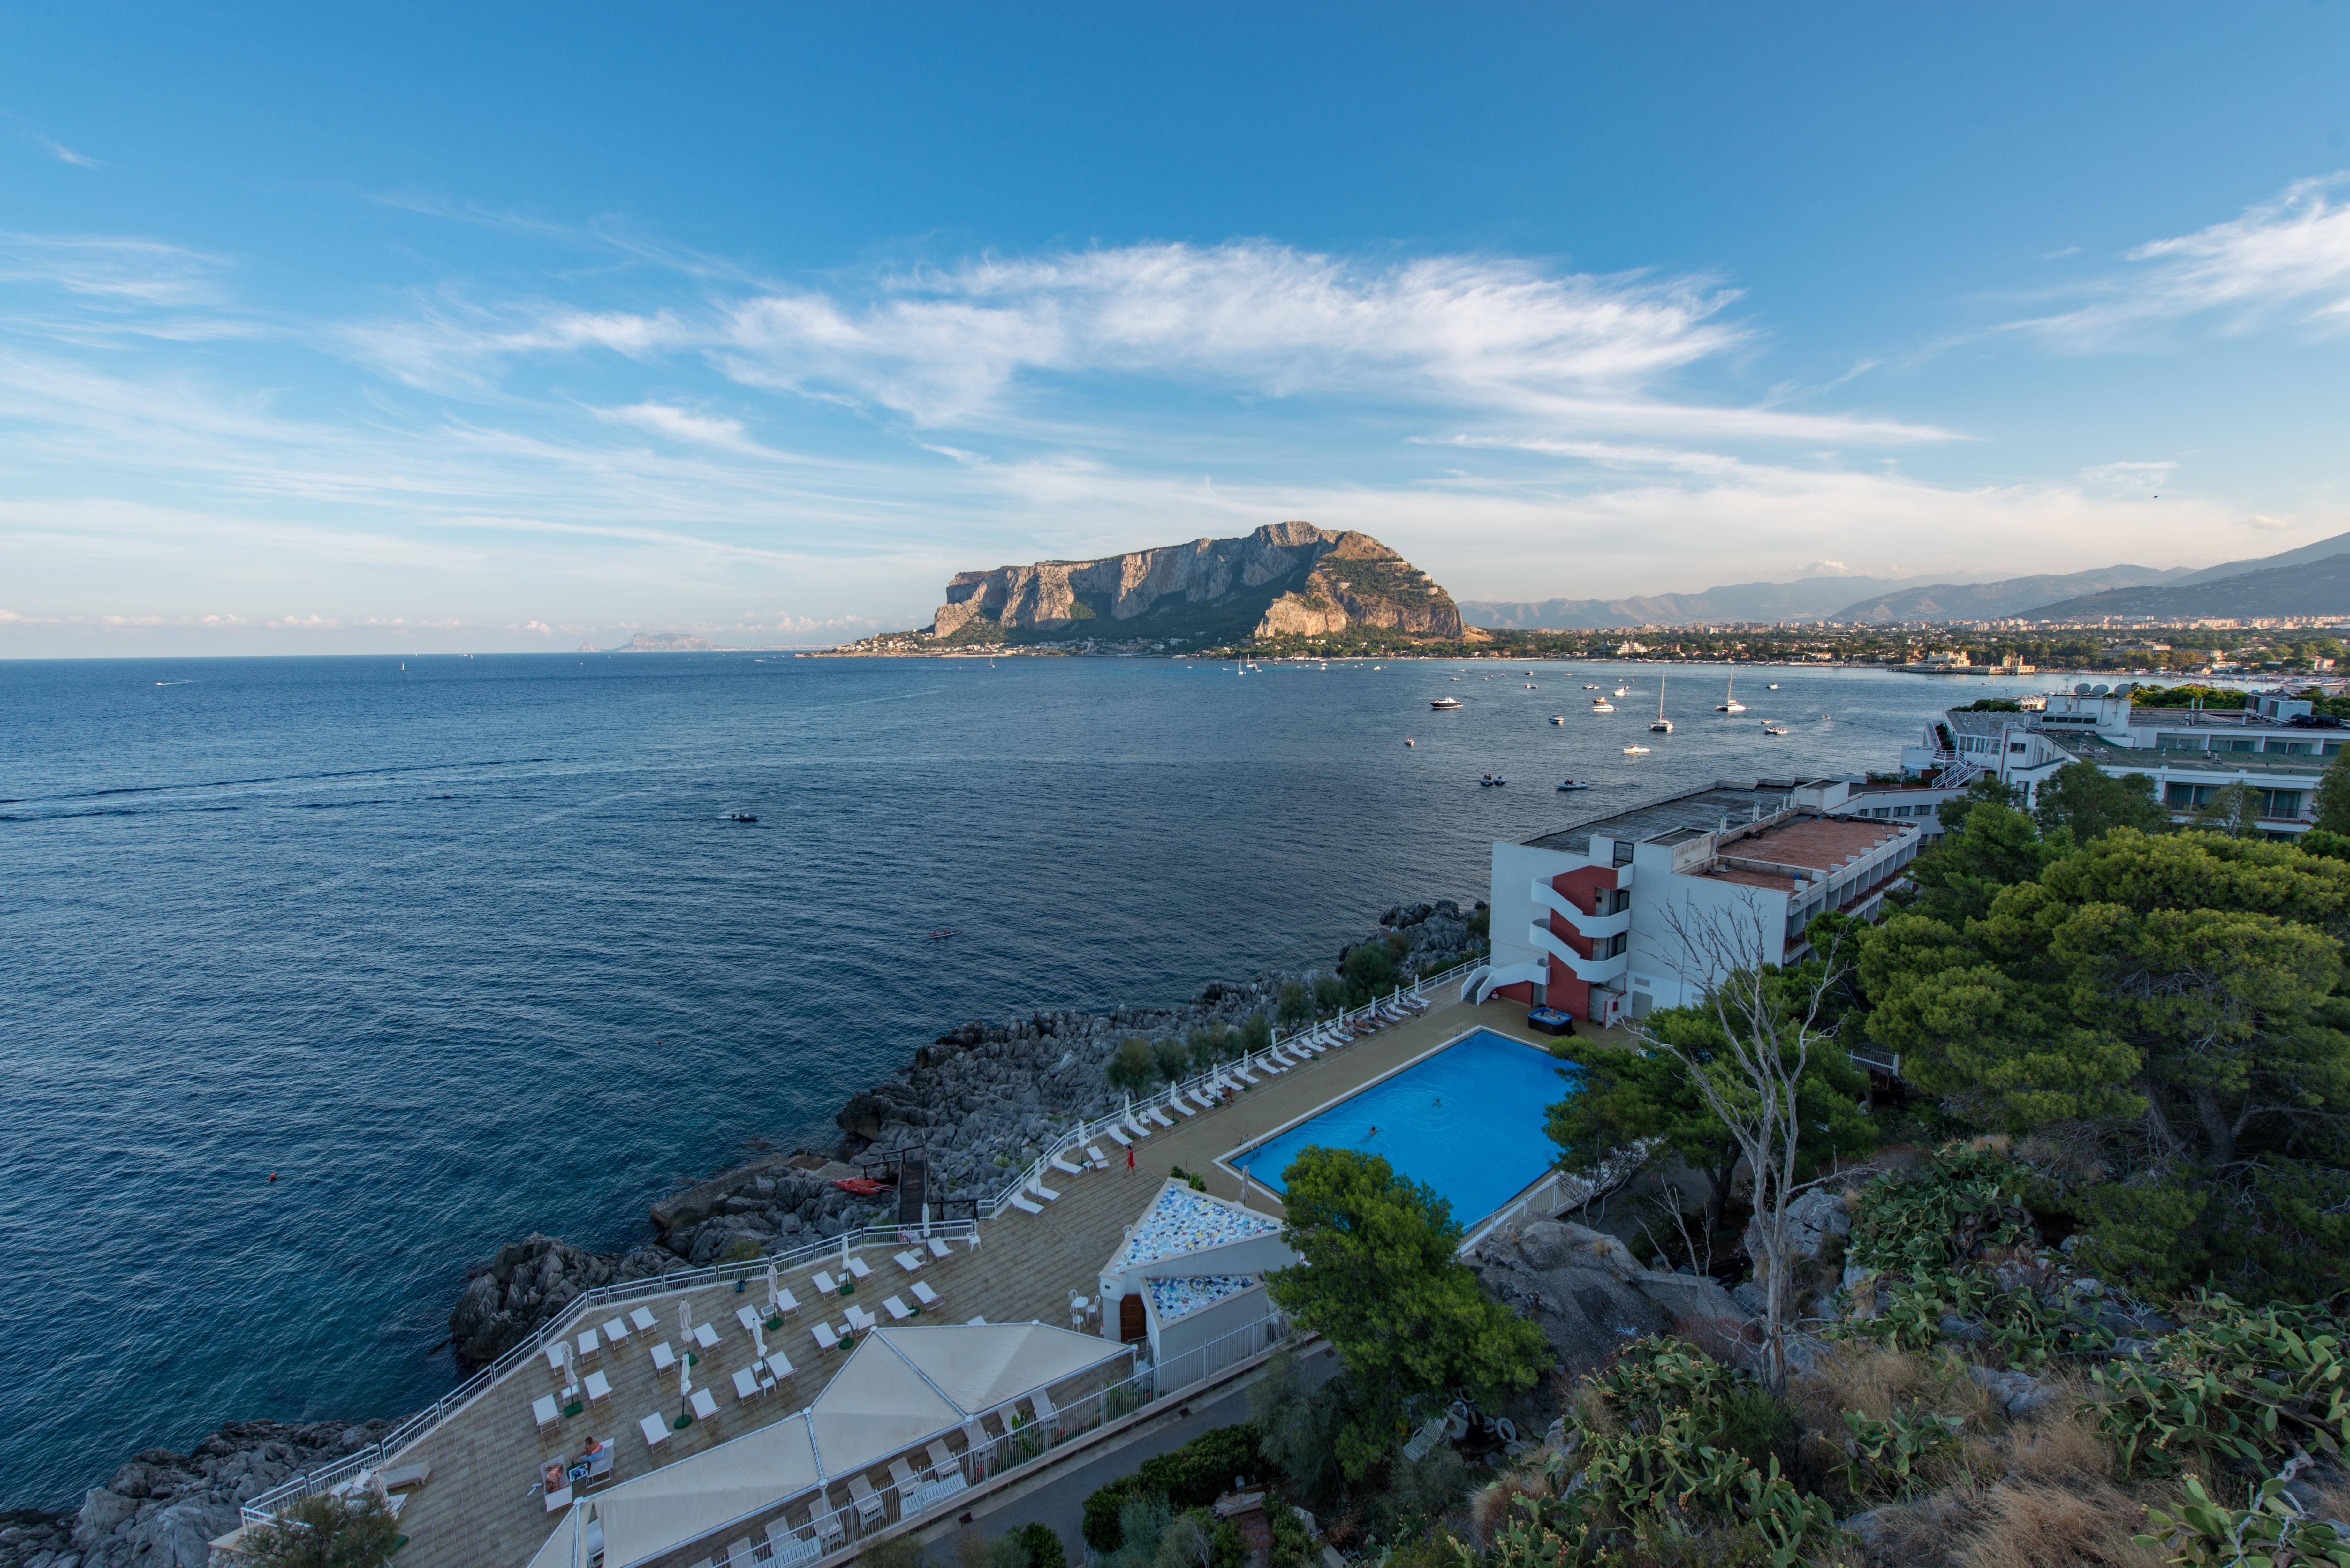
898	1389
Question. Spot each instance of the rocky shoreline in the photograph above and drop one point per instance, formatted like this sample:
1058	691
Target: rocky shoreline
982	1099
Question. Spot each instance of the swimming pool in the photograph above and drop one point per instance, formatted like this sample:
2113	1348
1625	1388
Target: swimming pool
1467	1120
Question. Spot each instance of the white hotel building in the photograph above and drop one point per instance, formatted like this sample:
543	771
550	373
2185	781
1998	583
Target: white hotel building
1594	919
2190	754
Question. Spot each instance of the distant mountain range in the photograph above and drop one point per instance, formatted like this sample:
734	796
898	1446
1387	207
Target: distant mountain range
2279	585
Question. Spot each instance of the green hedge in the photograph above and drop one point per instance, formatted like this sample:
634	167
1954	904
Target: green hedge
1192	1476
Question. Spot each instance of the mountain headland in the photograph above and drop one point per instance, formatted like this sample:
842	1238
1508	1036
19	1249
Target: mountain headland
1284	579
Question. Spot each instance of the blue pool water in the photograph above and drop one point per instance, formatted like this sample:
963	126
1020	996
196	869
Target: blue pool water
1468	1121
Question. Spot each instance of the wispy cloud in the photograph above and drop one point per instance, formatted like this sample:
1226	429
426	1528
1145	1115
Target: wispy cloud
2282	262
2128	475
64	154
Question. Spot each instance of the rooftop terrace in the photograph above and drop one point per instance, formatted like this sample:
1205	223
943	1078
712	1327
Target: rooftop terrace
1700	811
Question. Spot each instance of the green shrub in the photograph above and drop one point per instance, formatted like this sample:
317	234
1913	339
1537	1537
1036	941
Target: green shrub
1296	1005
1329	993
1043	1545
1256	1032
1132	1067
322	1531
1192	1476
1173	1057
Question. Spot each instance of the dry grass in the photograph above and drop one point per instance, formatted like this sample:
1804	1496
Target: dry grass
2036	1524
1873	1381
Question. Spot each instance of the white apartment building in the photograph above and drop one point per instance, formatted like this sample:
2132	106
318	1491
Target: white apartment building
1596	919
2273	745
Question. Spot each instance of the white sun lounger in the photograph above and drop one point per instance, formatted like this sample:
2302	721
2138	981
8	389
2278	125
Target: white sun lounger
786	1303
1181	1106
1061	1164
902	1474
1043	1405
1243	1074
1133	1124
542	1410
1037	1188
748	1317
825	1338
939	1249
1093	1153
615	1331
704	1403
1206	1101
1156	1115
924	1295
663	1357
599	1387
655	1429
909	1261
898	1309
705	1336
861	1319
868	1502
1123	1141
825	1285
643	1319
856	1267
552	1351
780	1365
1024	1206
746	1384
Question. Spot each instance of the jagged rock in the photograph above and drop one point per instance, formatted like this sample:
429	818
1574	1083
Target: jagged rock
2017	1393
1812	1218
1586	1306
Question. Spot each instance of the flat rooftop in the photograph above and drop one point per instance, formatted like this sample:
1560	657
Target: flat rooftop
1700	811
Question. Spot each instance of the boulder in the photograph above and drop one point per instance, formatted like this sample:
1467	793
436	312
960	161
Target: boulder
2017	1393
1812	1218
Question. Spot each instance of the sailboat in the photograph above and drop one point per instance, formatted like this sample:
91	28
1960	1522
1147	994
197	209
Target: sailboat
1730	702
1663	726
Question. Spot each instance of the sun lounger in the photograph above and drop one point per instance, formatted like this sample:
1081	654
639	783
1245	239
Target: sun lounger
787	1545
856	1267
705	1336
643	1319
780	1365
1093	1153
786	1303
655	1429
1036	1188
746	1384
1156	1115
1243	1074
406	1476
825	1285
615	1330
869	1510
552	1351
748	1317
825	1338
1062	1164
1206	1101
1025	1207
1123	1141
861	1319
1045	1415
663	1357
1180	1107
1263	1066
939	1249
924	1295
1133	1124
704	1403
542	1410
599	1387
588	1342
902	1474
898	1309
942	1461
909	1261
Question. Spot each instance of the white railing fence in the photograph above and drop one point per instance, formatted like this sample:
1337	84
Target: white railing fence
1076	1138
589	1304
825	1523
266	1506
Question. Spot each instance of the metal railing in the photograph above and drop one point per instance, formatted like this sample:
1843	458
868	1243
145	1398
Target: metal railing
265	1506
1215	1076
814	1526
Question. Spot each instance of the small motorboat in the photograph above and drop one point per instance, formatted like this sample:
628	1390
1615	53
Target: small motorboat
1488	781
1590	687
1771	729
1530	685
1623	692
1774	685
740	817
1572	784
1558	718
1635	750
1601	705
1409	741
1444	703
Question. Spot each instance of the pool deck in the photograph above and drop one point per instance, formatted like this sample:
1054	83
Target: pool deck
481	1507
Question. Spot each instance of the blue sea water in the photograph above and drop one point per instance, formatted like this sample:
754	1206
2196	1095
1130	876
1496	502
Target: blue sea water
459	949
1466	1120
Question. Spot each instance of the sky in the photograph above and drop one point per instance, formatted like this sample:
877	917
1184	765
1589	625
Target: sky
337	328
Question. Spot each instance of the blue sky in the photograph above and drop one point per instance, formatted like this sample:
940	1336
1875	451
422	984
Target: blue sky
325	328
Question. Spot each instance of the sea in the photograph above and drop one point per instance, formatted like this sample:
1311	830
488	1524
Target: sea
321	978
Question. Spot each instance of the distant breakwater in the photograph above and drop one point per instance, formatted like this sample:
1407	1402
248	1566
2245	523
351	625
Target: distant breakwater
982	1099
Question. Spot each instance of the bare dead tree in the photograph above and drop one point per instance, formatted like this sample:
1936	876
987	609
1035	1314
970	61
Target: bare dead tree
1752	1081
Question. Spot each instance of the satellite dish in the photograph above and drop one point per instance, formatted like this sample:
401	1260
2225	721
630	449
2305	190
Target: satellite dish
2099	692
2082	689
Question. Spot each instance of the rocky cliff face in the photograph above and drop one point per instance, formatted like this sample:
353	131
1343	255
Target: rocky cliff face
1286	578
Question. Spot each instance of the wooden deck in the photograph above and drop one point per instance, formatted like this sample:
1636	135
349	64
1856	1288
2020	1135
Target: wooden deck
483	1507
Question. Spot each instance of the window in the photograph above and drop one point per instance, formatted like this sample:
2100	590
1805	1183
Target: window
2281	802
2019	745
2186	796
